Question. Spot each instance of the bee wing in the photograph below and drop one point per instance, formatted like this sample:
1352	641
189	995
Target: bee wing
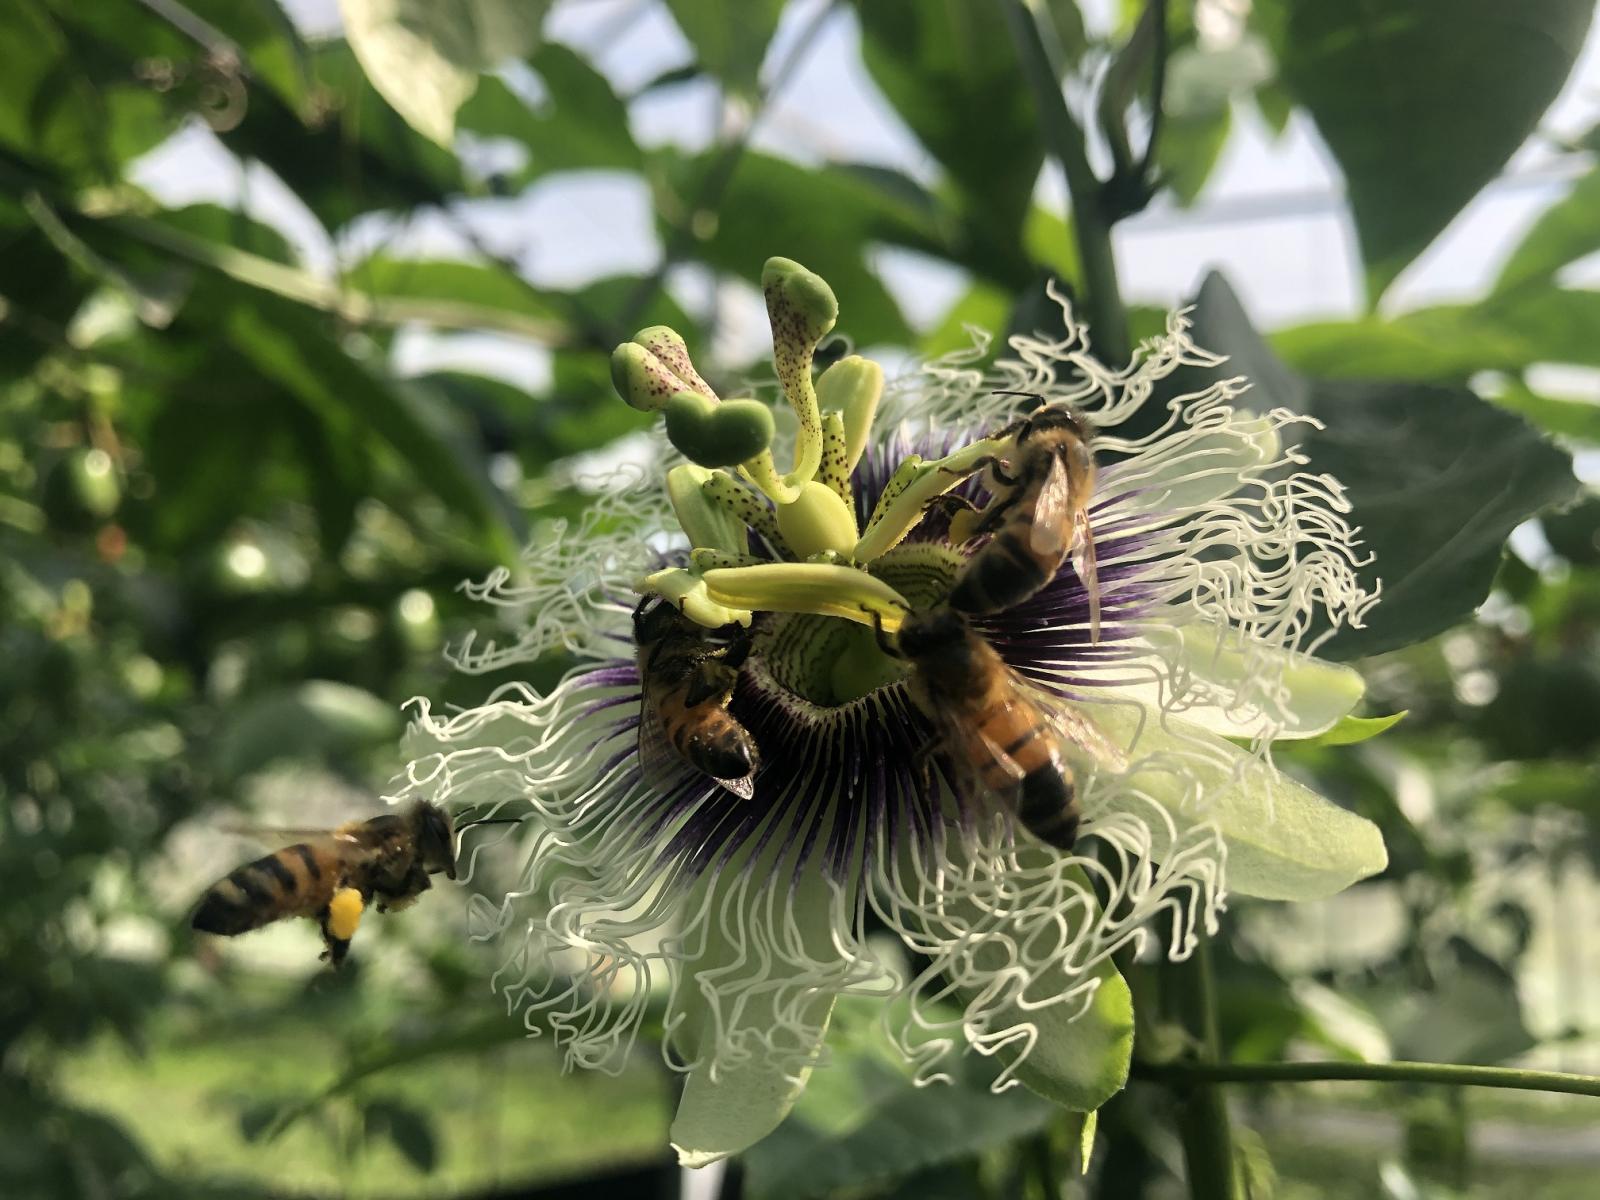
1052	512
1083	561
1079	730
282	835
658	762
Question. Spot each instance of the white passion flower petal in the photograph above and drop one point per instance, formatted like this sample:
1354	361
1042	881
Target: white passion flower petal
1284	842
751	1016
1235	689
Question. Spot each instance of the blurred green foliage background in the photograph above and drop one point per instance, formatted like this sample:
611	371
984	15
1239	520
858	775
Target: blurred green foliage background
250	443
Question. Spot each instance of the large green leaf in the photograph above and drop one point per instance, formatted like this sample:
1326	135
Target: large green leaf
381	161
425	56
729	36
310	719
863	1123
1422	101
1565	232
288	345
68	104
950	70
580	124
1437	476
821	218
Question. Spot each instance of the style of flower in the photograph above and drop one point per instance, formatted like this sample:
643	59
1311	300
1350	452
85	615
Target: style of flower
1221	564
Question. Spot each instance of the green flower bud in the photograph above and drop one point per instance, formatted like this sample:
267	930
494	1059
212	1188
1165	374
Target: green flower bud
717	434
852	386
664	342
817	522
641	379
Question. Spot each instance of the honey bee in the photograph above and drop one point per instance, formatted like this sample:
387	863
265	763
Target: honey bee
994	737
1038	512
333	875
688	681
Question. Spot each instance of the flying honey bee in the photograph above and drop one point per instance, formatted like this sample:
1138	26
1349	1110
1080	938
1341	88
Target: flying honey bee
996	738
1038	512
333	875
688	681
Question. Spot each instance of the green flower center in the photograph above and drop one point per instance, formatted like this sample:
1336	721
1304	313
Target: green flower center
831	662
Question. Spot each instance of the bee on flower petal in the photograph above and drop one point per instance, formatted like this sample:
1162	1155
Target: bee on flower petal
688	682
1038	514
996	738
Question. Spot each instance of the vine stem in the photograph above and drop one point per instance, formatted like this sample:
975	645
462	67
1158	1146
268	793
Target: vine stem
1202	1117
1063	135
1385	1072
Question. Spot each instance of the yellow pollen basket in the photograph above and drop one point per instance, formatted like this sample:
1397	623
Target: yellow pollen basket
344	913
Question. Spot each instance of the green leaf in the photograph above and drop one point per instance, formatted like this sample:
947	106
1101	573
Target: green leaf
1565	232
424	56
1578	419
1190	147
1434	507
64	105
1284	841
1449	342
383	162
499	299
580	125
307	720
863	1124
408	1128
983	306
289	346
951	73
729	36
1351	731
1437	477
1422	101
819	217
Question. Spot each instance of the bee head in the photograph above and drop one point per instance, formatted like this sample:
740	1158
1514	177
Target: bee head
436	839
1053	418
654	620
938	631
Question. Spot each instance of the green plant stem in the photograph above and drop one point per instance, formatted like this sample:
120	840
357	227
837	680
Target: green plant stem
1063	136
1203	1126
1387	1072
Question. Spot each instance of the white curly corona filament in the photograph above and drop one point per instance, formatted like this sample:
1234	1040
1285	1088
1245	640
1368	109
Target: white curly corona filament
1220	560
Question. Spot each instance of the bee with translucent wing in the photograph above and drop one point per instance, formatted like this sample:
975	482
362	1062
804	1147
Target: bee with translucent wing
1037	514
996	737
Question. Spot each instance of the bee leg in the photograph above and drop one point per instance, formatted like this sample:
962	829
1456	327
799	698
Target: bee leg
339	921
993	463
736	651
416	882
884	644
